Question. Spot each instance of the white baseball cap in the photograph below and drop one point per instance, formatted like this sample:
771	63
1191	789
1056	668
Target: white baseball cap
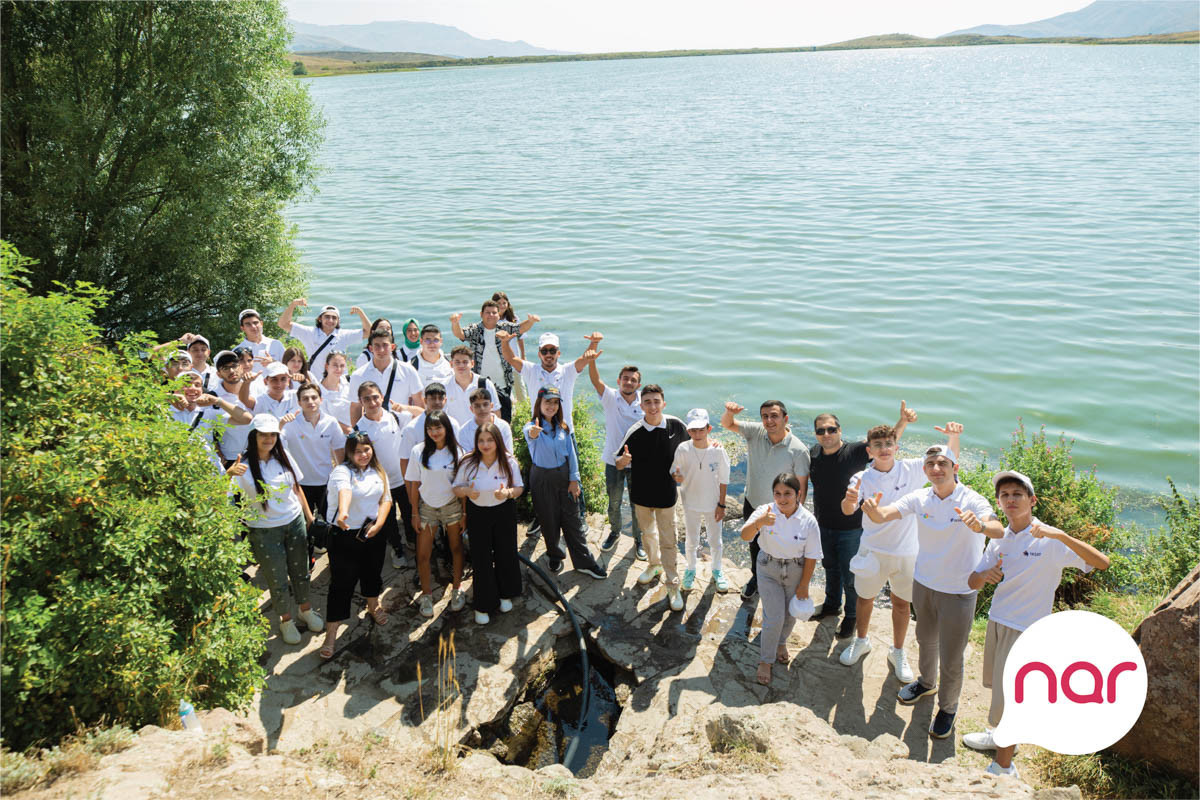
697	418
331	310
180	355
275	368
1012	473
942	450
547	339
247	312
265	423
201	340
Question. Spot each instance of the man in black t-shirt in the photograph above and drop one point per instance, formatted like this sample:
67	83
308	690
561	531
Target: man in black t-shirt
832	463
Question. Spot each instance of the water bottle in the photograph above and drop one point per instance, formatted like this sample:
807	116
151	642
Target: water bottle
188	718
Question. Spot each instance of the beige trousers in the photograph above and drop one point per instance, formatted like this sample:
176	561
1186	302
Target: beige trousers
661	548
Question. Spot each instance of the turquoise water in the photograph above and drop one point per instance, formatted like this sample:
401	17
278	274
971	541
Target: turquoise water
988	233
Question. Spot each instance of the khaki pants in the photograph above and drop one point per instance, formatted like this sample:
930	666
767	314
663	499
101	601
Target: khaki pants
661	549
1000	639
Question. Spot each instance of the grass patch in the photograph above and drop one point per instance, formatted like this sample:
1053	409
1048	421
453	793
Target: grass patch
560	787
1104	775
1127	610
739	758
77	753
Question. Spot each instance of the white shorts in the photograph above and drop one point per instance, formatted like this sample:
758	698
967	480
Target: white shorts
896	570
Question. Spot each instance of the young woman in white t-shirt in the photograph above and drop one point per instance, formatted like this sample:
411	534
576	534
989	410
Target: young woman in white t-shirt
271	494
359	503
431	468
335	390
293	359
490	480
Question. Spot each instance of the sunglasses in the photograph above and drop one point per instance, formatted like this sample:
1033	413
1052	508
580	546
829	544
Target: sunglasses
548	350
358	436
824	431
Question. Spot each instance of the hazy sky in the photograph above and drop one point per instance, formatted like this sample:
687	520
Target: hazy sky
590	26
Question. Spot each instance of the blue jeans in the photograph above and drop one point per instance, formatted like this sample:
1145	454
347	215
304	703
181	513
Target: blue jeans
838	547
614	483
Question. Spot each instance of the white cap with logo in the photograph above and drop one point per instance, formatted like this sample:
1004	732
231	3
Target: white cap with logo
547	339
697	418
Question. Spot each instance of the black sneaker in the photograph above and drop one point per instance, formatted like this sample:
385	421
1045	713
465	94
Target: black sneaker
943	725
641	553
912	692
596	572
846	629
610	542
826	611
556	565
750	589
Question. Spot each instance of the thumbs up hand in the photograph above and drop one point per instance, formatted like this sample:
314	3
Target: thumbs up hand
625	459
535	431
236	468
502	492
677	475
871	504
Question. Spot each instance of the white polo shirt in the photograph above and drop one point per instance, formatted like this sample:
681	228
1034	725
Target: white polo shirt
436	478
1032	571
404	385
386	438
430	371
267	347
283	505
265	404
948	549
562	377
487	480
311	446
336	402
366	490
797	536
898	537
210	417
414	433
234	437
619	417
704	470
458	399
312	338
467	433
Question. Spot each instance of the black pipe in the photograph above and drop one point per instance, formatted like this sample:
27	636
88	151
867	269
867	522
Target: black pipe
586	702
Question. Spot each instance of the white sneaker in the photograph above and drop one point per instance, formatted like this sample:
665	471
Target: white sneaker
398	561
426	604
288	632
457	600
312	620
899	661
980	741
505	605
676	598
996	769
857	649
481	618
649	574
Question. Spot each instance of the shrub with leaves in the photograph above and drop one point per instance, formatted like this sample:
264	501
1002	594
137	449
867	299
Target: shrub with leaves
121	590
589	438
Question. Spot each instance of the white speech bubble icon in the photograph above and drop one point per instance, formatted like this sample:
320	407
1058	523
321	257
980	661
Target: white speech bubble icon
1074	683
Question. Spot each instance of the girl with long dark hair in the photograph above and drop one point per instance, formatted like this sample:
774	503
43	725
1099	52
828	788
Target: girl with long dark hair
431	469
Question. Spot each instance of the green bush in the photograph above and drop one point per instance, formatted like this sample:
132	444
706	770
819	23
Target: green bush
298	68
589	437
121	591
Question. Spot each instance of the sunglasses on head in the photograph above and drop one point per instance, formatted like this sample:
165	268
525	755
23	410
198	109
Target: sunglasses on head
358	436
823	431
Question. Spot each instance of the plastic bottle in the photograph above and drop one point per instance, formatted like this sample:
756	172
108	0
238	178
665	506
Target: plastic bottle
188	718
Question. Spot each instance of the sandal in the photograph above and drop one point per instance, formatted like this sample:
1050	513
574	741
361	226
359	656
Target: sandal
328	649
781	655
764	673
379	615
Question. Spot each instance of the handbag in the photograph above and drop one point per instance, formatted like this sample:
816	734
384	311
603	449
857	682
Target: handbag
320	532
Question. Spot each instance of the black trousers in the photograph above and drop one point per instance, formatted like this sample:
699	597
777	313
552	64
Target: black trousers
493	546
391	526
353	562
557	511
505	395
316	497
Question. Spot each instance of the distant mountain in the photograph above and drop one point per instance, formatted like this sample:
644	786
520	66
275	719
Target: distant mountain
308	43
411	37
1106	18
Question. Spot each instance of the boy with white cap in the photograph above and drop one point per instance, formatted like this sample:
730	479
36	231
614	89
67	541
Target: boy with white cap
279	400
701	469
265	348
952	523
326	336
1026	565
198	350
887	553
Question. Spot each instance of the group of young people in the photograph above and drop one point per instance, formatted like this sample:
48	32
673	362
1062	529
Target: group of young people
415	441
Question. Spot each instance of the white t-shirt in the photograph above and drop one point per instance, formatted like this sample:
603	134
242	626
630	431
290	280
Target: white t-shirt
366	490
336	402
898	537
414	434
1032	571
487	480
283	505
949	550
311	446
619	417
208	377
312	338
387	439
268	346
790	537
563	377
458	399
492	367
234	437
210	417
704	470
467	433
265	404
439	371
436	478
404	385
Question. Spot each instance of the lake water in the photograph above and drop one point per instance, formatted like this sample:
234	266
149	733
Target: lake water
988	233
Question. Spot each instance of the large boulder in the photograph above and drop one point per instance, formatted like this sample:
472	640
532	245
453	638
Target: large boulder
1167	732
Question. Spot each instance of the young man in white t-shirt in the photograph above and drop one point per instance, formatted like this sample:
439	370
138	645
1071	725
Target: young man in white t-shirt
1026	566
952	523
265	348
548	372
432	365
482	414
887	554
279	400
326	336
462	385
398	381
622	410
702	472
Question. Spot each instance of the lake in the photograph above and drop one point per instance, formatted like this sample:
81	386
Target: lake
989	233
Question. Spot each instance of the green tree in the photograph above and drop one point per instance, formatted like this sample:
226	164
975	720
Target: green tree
298	68
120	591
148	148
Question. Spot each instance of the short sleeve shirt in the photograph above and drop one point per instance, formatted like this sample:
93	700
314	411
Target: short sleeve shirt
212	425
429	372
312	338
436	478
282	504
1032	571
703	470
797	536
414	434
336	402
830	474
267	347
387	438
366	490
899	536
562	377
619	417
466	435
764	460
288	404
311	446
487	480
458	399
949	550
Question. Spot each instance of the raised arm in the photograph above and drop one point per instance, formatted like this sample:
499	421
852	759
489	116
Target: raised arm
953	431
456	325
285	319
728	421
362	317
530	321
506	350
591	352
1090	555
594	374
907	415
